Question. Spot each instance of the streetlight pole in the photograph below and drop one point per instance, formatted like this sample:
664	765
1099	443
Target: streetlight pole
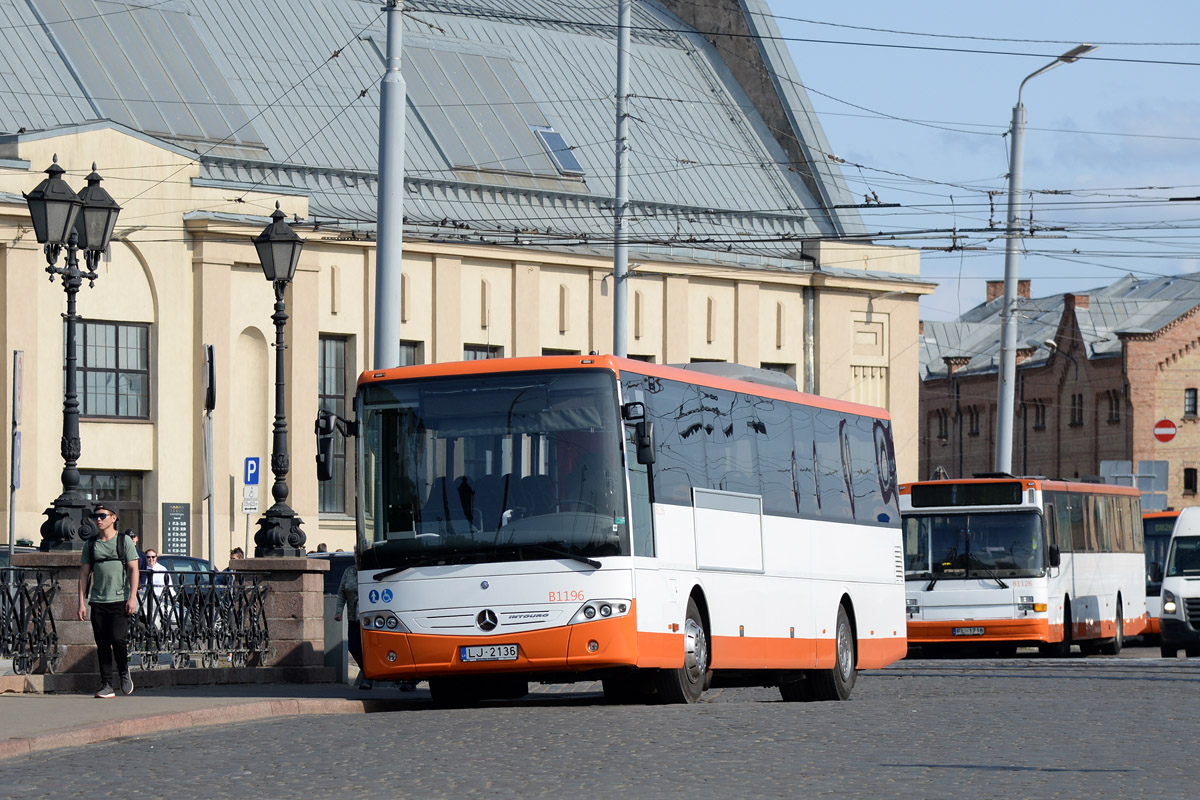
279	532
1007	377
83	221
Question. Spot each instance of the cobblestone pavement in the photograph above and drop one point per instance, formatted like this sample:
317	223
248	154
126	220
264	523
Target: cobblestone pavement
1018	728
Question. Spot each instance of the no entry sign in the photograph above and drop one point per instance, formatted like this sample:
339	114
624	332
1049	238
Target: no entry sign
1164	430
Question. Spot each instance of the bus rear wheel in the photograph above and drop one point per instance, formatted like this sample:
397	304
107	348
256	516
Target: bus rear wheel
686	684
836	683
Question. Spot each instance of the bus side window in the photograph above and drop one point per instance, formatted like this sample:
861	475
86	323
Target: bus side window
1051	525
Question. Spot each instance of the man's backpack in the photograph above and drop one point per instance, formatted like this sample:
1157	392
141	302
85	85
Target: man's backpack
122	538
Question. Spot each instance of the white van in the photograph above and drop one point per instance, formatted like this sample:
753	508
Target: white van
1179	617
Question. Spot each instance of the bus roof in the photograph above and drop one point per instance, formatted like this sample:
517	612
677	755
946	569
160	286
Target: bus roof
1159	514
1042	484
617	365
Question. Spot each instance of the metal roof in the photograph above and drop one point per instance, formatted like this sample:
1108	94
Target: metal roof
291	103
1129	306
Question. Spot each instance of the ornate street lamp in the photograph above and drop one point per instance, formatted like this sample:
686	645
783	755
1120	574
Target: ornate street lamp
78	222
279	532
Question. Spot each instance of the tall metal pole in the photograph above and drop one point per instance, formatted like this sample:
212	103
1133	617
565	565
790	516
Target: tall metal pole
389	233
1007	373
621	192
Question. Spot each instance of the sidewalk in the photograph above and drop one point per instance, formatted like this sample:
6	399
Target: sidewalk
35	722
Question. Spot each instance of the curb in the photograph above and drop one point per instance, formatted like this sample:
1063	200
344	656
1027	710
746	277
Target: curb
155	723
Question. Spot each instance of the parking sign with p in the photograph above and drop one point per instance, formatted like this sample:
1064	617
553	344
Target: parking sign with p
251	472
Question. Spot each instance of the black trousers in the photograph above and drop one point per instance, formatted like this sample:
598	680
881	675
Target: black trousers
354	641
110	627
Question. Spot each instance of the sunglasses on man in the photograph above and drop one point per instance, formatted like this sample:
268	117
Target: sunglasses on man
101	516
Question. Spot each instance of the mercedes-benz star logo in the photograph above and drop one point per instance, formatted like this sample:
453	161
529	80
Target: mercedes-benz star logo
486	620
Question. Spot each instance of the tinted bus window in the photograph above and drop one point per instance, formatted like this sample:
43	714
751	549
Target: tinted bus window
804	460
833	465
771	426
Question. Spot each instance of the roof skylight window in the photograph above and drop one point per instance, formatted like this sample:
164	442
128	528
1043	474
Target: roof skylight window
558	150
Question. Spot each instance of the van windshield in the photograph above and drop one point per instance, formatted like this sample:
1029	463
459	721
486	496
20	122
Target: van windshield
1185	557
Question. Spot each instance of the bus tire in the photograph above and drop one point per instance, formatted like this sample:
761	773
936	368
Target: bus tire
836	683
1061	649
1118	641
686	684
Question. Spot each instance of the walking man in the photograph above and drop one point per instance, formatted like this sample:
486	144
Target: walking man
110	562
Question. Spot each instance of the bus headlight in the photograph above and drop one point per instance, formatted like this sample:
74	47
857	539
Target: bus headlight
601	609
1169	605
384	620
1025	603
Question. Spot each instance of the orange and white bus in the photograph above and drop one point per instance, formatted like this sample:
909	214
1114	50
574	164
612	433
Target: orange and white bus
570	518
1156	533
997	563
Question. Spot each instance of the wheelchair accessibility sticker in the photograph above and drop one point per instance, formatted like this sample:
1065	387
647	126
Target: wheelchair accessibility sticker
387	595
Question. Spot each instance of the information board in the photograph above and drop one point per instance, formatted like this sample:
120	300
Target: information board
177	529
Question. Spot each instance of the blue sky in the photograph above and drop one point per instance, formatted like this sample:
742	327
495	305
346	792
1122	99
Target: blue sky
1112	136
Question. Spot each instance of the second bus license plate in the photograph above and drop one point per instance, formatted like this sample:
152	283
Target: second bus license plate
488	652
968	631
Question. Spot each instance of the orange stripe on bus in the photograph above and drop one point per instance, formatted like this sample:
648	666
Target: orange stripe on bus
1032	483
560	648
618	365
995	630
744	652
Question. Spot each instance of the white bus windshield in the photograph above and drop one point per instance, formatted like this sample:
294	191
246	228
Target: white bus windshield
986	545
1185	557
492	467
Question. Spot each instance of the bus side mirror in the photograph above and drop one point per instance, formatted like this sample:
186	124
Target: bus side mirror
326	427
645	442
1055	556
1156	573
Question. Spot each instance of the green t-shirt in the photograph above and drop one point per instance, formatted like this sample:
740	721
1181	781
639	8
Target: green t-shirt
110	576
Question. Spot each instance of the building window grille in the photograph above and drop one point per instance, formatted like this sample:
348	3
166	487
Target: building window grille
1039	415
331	396
972	421
1189	402
1076	410
411	353
943	425
112	369
479	352
1189	480
1114	406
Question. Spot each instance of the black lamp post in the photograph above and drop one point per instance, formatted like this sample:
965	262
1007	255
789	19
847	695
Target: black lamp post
279	532
85	222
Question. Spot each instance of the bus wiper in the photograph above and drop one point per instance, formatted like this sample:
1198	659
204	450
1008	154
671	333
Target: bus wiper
933	581
554	551
991	573
420	562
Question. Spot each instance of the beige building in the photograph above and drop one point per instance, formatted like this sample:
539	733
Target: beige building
791	290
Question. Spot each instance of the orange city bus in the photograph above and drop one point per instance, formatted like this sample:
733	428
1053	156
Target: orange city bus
1156	532
997	563
660	529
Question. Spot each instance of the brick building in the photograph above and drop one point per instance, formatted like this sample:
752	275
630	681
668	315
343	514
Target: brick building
1095	372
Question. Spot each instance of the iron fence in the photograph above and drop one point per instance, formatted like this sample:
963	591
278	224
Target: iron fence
213	617
28	634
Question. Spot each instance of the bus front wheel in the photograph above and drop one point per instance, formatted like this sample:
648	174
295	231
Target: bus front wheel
836	683
686	684
1061	649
